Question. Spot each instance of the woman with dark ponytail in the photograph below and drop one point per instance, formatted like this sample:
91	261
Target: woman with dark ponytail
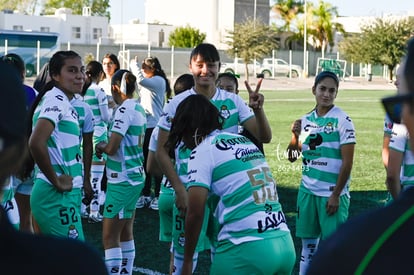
154	89
125	173
55	147
96	98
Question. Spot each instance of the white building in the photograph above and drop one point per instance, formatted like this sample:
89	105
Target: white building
156	35
80	29
214	17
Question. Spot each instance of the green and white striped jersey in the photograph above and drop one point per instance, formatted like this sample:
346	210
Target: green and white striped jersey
126	164
63	144
232	108
322	138
96	98
400	141
232	168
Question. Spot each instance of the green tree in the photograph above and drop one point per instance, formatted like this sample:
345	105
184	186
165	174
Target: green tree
350	49
23	6
322	29
98	7
287	10
186	37
251	40
382	42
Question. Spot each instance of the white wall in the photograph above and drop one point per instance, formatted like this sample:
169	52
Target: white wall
212	17
60	23
141	34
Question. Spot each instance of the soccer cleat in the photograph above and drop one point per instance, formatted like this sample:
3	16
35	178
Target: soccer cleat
154	203
143	201
94	218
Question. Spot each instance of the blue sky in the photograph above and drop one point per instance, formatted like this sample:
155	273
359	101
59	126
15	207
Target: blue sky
124	10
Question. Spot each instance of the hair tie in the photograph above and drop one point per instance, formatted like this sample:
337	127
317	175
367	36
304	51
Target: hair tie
123	87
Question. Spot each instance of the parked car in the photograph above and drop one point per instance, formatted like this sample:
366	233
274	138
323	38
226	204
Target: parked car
240	68
281	68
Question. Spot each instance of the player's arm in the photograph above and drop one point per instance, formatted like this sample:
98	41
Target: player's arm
347	152
295	147
87	139
168	170
385	149
259	125
38	148
152	165
197	197
393	172
109	148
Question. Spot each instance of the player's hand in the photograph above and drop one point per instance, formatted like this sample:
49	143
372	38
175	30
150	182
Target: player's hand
64	183
296	127
256	99
99	149
181	201
332	205
87	189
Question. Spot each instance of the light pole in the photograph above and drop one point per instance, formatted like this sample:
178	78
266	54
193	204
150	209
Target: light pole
304	44
254	22
254	11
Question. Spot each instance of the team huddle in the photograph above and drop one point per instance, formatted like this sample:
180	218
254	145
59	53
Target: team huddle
100	136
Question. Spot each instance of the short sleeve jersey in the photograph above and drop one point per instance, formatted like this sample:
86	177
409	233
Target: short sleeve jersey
152	145
232	108
86	119
96	98
105	84
63	144
400	142
231	167
126	164
322	138
166	186
388	126
86	124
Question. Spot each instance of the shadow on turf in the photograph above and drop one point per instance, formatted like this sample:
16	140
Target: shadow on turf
152	254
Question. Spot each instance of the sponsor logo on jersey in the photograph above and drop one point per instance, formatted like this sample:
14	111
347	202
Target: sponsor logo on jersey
73	233
224	112
52	109
271	221
329	128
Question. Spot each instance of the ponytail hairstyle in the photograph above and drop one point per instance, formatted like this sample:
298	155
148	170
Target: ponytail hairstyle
126	80
52	68
195	118
93	72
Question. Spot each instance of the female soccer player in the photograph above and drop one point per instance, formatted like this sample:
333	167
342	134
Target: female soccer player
253	237
125	173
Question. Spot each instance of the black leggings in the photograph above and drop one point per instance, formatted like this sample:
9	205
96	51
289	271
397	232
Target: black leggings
146	191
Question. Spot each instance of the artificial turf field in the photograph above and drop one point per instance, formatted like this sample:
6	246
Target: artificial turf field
282	108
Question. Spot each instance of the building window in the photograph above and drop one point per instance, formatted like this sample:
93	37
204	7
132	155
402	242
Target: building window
76	32
97	33
44	29
17	27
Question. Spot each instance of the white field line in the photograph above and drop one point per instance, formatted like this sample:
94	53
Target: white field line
147	271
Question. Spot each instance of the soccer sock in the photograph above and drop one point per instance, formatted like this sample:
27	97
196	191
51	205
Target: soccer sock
113	260
309	247
179	260
128	256
96	174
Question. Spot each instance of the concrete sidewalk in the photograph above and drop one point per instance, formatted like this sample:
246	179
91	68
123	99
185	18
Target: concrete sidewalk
284	83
